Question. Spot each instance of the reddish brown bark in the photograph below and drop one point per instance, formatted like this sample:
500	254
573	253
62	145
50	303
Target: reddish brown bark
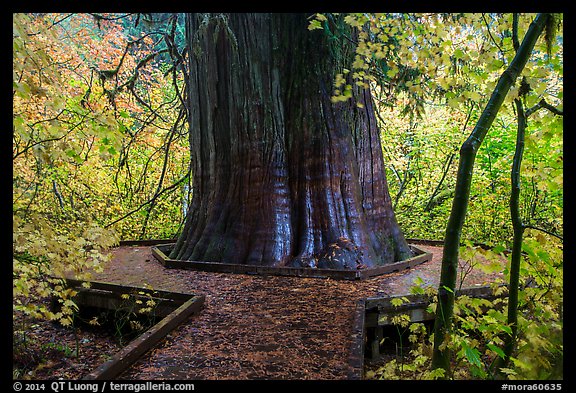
281	175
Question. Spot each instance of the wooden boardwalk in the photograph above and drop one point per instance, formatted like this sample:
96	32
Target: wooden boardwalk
259	327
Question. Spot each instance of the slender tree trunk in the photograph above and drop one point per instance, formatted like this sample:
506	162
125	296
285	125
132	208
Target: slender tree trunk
449	270
518	229
281	175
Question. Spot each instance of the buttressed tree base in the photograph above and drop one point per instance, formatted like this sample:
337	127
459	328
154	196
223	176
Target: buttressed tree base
282	175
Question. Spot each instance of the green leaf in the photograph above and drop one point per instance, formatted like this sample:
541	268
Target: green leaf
474	96
495	65
315	24
472	354
454	102
349	19
437	373
397	301
498	249
508	371
507	329
498	351
417	290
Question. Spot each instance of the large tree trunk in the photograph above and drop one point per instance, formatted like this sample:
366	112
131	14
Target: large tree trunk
281	175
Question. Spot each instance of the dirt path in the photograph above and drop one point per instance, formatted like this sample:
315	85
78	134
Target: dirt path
259	327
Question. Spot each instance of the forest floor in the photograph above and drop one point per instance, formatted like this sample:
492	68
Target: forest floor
251	327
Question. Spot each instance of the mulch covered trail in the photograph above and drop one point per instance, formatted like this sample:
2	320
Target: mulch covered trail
259	327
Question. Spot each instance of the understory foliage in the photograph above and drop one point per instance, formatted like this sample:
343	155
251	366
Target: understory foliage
480	324
100	154
98	151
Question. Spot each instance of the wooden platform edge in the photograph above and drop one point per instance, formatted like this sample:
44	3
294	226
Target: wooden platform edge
421	257
384	303
124	358
358	336
124	288
379	311
146	242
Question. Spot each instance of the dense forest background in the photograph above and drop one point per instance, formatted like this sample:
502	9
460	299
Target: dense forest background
101	154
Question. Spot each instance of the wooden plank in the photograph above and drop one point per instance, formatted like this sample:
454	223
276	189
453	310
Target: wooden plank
427	242
380	310
174	307
144	243
375	342
121	289
356	357
136	348
385	303
422	257
159	253
220	267
112	301
415	314
371	319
